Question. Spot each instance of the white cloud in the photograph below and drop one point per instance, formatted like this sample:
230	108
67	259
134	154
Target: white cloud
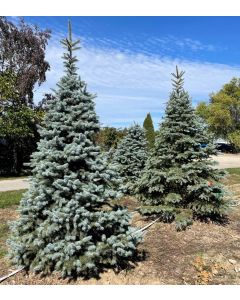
128	85
170	43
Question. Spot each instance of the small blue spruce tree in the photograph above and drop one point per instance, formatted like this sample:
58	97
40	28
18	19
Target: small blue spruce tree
130	157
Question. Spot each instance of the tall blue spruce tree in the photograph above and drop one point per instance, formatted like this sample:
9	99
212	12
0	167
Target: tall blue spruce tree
66	222
179	182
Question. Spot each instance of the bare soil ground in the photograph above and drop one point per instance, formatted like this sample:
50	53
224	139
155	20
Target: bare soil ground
206	253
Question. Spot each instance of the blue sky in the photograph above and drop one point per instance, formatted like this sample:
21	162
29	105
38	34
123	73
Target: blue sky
127	61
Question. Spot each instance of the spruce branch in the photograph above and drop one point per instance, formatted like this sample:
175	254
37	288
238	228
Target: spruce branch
178	80
70	46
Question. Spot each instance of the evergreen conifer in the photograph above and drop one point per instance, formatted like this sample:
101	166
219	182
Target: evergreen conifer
150	134
179	181
130	157
67	222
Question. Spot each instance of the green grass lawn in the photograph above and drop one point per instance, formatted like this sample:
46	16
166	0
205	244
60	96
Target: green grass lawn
233	176
233	171
8	202
10	198
4	229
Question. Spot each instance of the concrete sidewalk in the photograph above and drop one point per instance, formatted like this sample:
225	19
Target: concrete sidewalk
13	184
224	161
227	161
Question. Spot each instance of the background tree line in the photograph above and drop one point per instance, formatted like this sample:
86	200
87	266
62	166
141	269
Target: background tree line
23	66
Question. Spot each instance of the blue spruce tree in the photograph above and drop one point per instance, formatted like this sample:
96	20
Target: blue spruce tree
179	182
130	157
67	222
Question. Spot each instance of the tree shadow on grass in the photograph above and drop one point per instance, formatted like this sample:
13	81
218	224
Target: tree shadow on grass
217	220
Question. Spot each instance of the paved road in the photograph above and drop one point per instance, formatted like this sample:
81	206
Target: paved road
224	161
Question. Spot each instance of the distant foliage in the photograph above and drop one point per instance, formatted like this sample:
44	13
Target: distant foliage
67	222
109	137
179	182
222	113
150	134
234	138
130	157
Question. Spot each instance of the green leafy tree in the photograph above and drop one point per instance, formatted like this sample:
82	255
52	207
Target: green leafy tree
17	126
67	223
179	182
22	66
22	53
222	113
234	138
109	137
130	157
7	87
202	110
150	134
19	131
